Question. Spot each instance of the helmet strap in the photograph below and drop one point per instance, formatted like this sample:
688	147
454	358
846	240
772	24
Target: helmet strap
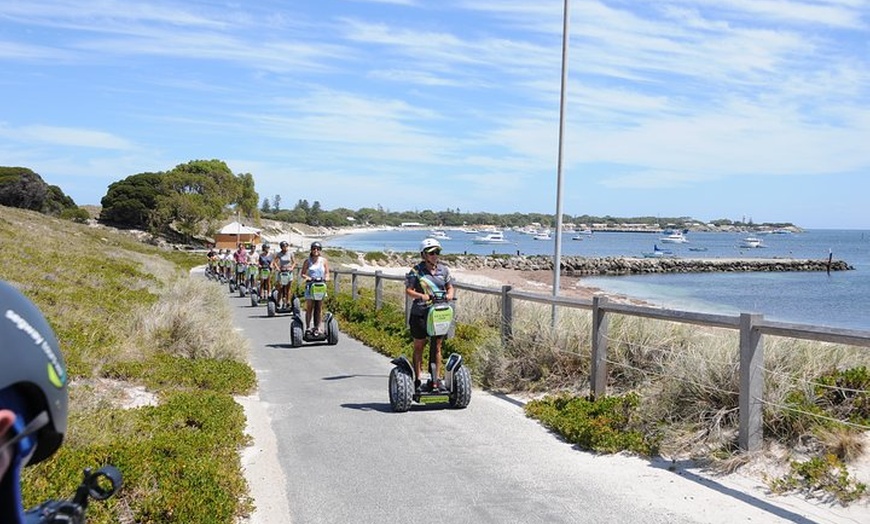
38	422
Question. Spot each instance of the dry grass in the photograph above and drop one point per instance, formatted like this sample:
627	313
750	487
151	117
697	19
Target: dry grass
191	320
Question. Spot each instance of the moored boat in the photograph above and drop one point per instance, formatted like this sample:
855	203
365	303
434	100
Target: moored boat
494	237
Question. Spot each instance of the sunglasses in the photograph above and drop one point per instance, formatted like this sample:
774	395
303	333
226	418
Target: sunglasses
434	252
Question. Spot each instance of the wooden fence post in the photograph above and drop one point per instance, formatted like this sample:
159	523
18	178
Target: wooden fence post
507	313
600	324
335	287
379	289
353	285
750	433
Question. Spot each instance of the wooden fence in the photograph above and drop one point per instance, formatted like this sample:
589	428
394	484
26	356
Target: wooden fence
752	328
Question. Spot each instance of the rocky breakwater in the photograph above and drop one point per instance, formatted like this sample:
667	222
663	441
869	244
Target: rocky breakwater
583	266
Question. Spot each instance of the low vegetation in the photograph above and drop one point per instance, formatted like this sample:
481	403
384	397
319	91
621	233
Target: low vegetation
132	324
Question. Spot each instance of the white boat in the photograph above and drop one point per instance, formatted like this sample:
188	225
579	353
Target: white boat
495	237
543	235
751	242
469	231
438	234
586	232
673	237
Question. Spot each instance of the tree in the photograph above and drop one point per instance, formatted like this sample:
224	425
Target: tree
22	188
195	195
266	207
131	202
248	198
276	203
314	214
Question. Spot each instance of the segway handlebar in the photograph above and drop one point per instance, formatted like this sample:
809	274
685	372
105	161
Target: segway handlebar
97	485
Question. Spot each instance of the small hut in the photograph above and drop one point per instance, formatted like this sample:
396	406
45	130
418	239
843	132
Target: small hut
231	234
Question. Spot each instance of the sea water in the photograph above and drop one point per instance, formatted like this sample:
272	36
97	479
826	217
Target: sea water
839	299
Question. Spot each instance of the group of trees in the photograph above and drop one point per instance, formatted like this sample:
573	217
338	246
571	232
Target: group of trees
192	198
22	188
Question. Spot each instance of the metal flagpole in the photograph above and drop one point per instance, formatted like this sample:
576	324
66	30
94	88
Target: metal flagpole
557	256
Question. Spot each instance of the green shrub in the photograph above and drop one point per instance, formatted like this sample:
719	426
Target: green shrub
832	397
824	476
375	256
604	425
162	371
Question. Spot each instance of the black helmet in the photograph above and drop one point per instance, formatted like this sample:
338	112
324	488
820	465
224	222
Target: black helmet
283	244
31	364
316	245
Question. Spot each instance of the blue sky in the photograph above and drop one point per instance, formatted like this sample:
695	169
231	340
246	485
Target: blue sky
706	108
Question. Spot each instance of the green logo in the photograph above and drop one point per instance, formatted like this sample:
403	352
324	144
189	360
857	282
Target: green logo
53	377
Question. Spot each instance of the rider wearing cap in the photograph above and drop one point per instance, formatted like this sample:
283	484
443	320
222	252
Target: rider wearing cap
33	395
284	261
315	267
265	263
421	283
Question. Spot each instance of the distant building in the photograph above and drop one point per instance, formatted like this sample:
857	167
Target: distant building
233	233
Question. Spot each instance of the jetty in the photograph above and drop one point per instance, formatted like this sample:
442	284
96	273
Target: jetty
585	266
575	266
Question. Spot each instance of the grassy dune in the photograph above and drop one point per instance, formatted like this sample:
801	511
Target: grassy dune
131	325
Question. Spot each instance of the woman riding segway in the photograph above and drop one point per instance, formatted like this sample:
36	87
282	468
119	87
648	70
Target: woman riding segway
315	273
284	265
430	285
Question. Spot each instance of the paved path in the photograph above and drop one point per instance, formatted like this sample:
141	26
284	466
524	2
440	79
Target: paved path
346	458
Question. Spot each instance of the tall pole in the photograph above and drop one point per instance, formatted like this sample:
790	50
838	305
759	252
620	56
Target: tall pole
557	256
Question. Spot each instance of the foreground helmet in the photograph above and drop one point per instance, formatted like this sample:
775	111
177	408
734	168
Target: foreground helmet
316	245
32	366
283	244
428	244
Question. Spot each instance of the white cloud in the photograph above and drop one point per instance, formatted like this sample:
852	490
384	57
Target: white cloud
65	136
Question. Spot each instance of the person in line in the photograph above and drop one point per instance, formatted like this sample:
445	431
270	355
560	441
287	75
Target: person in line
265	263
284	261
212	261
421	283
226	264
33	396
240	257
252	274
315	267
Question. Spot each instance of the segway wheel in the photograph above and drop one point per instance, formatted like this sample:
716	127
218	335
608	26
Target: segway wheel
255	298
296	306
461	388
270	308
401	390
232	287
242	291
296	333
332	331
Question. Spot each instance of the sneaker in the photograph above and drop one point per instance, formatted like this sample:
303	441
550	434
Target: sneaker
417	385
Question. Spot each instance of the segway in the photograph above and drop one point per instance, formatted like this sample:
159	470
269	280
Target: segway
264	275
298	335
273	307
455	389
241	271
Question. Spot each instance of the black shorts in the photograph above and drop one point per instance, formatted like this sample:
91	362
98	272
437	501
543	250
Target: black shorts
418	327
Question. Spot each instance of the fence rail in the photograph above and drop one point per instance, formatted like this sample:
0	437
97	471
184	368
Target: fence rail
752	328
